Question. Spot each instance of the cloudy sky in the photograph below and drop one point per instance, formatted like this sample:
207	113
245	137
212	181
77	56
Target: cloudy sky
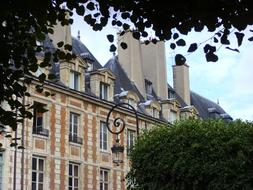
228	81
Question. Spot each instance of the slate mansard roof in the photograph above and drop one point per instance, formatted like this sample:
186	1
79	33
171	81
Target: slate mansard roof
122	83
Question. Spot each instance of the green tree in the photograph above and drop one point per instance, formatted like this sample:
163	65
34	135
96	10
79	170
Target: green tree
25	23
194	155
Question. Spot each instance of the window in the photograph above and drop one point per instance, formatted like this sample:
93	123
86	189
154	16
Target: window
37	173
148	86
154	112
90	66
1	170
104	179
132	102
130	139
103	91
173	116
73	128
103	136
38	118
73	176
74	80
171	94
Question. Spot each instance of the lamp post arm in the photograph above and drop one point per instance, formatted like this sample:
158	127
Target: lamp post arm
119	121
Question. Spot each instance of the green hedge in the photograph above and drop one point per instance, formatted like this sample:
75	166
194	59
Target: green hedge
194	155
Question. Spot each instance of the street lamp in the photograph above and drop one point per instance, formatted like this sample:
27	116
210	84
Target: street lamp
119	124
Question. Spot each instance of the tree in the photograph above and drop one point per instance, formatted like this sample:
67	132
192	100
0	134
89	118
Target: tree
25	23
194	154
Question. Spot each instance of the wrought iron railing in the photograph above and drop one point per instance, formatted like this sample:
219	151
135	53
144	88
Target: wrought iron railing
41	131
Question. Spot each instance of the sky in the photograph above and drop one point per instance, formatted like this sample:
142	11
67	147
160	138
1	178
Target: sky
228	81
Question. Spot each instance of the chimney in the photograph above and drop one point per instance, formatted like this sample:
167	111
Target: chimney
154	65
131	60
181	82
61	33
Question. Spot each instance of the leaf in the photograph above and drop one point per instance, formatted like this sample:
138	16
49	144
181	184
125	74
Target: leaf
172	46
113	48
146	42
47	93
51	76
154	41
239	37
68	47
60	44
21	147
123	45
13	144
193	47
211	57
8	136
251	39
39	88
181	42
27	94
126	26
80	10
90	6
175	36
180	59
50	30
236	50
125	15
110	38
209	49
144	34
136	35
42	77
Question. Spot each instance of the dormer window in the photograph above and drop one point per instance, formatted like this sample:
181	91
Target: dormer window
132	102
148	86
104	91
172	116
74	80
90	66
154	112
171	94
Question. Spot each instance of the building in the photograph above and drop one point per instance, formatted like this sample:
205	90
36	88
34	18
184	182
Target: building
69	146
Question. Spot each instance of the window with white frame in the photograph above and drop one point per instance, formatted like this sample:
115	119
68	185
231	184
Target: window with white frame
74	122
104	179
130	139
74	80
104	88
172	116
38	165
73	176
1	170
103	136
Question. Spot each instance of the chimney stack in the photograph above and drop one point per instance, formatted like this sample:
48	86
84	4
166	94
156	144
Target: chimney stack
154	65
131	60
181	82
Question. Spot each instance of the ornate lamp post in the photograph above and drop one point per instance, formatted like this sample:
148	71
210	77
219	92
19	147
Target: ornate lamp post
119	125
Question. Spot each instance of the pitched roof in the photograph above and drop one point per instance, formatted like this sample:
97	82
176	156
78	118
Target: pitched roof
122	81
80	49
203	106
